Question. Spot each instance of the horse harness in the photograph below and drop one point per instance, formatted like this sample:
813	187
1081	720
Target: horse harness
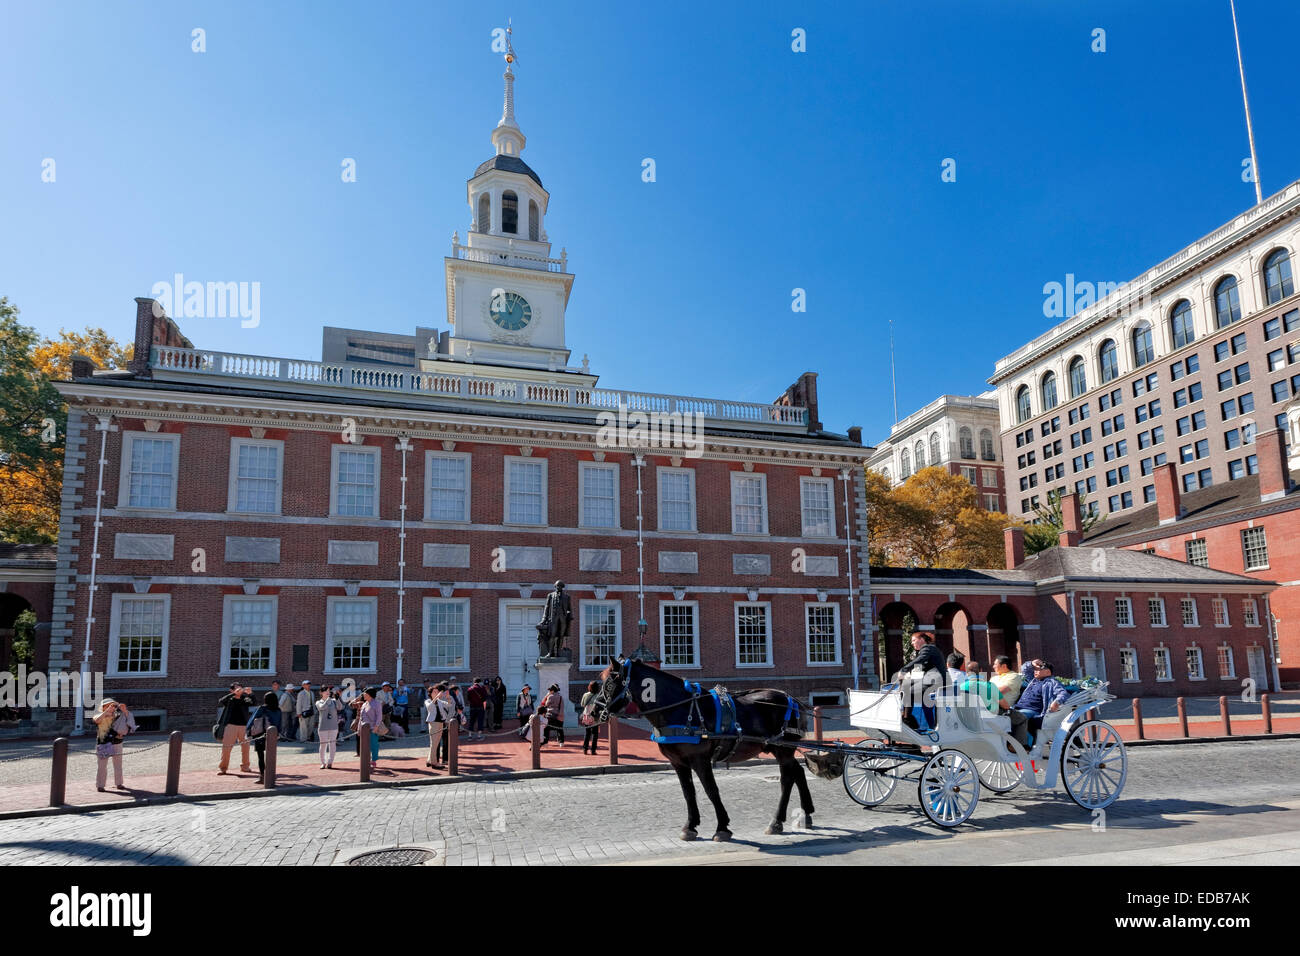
726	727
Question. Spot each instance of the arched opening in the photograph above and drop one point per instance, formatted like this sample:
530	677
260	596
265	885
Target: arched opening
1278	284
952	630
920	455
1180	321
534	221
1108	360
1143	350
1078	377
11	606
1047	391
934	449
904	464
986	445
1227	304
967	442
1003	635
1023	410
510	212
484	223
895	649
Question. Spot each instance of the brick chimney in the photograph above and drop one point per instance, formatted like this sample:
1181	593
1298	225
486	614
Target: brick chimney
82	366
153	327
1274	476
1169	500
1071	535
855	434
804	392
1015	542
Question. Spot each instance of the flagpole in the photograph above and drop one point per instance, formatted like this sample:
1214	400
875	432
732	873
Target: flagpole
892	377
1250	127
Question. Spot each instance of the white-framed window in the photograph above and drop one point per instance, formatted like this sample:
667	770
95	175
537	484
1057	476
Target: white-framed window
1250	612
1195	664
525	491
602	625
990	502
817	502
1094	663
1220	606
1088	612
446	634
748	503
150	465
676	498
248	634
256	471
679	633
354	481
1254	548
753	634
137	635
989	477
1191	617
447	486
968	472
822	633
1156	608
1164	672
1123	612
1227	667
597	495
1128	662
350	624
1198	552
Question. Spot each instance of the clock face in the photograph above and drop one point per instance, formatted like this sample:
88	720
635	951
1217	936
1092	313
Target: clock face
511	311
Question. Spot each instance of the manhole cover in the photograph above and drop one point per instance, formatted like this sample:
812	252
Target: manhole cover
393	857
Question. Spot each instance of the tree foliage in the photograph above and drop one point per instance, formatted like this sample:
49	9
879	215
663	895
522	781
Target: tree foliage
932	520
33	420
1045	532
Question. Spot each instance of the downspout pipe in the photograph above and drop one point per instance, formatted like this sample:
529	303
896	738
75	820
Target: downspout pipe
104	427
404	445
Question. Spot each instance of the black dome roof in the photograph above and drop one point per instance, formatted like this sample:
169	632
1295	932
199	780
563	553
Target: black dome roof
509	164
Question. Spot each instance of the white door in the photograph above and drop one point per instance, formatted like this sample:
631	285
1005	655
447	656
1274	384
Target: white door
517	651
1094	663
1258	668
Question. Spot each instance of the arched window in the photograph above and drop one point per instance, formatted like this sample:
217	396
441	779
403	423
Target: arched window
1078	377
1277	276
1143	350
986	444
904	464
509	212
1047	390
1023	410
967	442
484	213
920	455
1108	360
885	471
1180	321
534	220
1227	307
934	449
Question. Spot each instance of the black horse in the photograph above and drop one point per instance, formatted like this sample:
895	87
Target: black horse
700	731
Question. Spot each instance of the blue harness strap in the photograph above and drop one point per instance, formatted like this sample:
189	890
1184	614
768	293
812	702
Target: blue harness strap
791	709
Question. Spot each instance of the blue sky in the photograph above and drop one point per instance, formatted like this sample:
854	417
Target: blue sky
776	170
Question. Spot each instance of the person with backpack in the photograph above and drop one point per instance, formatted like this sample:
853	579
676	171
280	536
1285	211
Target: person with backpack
588	722
438	711
328	711
232	727
476	700
264	718
524	707
112	724
553	708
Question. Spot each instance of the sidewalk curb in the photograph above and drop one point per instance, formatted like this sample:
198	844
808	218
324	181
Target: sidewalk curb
598	770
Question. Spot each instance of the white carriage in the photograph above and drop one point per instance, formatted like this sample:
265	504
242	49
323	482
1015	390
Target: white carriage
970	746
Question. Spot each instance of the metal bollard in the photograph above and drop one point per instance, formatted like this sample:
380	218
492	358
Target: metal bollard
272	738
59	772
1182	716
536	735
453	748
174	741
1268	713
817	723
363	736
613	741
1223	715
1137	718
1091	714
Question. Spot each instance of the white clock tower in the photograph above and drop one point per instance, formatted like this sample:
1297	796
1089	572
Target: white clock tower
506	295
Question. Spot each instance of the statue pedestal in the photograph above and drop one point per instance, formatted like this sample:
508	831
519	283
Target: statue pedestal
554	671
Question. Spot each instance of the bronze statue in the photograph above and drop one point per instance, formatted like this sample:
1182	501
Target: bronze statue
553	628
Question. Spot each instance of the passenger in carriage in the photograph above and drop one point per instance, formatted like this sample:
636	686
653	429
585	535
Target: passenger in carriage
1008	684
1042	696
920	675
956	668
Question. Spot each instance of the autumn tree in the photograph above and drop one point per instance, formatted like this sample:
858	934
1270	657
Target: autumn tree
33	421
932	520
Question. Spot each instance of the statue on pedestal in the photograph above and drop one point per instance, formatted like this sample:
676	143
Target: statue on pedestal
557	617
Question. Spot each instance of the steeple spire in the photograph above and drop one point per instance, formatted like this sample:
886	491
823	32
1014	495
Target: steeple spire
507	137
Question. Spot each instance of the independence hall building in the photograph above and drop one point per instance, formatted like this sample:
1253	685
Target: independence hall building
402	507
1170	405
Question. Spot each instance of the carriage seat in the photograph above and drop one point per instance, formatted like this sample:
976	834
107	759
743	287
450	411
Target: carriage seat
1002	723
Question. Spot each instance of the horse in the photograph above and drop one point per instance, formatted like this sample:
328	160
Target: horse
701	731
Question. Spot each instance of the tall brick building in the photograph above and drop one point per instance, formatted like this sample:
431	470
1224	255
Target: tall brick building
403	507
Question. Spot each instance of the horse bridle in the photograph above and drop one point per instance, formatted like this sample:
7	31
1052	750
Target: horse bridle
604	701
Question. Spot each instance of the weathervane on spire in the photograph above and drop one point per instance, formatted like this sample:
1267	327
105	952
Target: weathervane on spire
511	56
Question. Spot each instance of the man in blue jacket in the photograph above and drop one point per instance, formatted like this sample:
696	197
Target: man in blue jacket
1042	696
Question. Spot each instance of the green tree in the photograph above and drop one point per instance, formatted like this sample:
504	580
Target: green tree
1045	531
23	650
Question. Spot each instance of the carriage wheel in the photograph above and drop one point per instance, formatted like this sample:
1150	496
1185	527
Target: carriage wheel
1094	765
869	780
949	788
999	776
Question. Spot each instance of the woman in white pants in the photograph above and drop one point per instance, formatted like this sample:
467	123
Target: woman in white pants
438	709
327	726
112	724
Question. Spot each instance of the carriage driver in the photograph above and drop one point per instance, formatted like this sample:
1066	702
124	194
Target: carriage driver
920	676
